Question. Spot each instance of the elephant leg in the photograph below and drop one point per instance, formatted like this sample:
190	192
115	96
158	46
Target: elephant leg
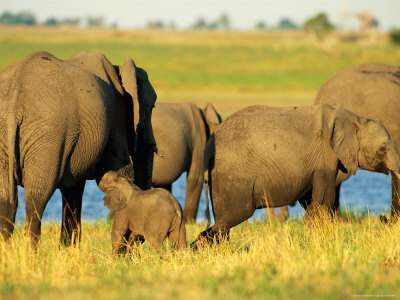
323	194
156	241
274	217
395	211
306	199
36	200
7	210
210	235
336	205
135	239
194	184
120	235
178	236
283	214
71	214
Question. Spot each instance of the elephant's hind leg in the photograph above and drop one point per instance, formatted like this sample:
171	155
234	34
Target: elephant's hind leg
71	215
8	209
36	198
41	175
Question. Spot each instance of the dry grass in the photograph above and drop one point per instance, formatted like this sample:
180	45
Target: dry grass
232	70
283	261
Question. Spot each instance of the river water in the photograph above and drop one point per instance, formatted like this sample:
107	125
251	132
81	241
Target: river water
364	192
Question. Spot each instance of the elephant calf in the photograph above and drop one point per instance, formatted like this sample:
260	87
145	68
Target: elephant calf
154	214
268	156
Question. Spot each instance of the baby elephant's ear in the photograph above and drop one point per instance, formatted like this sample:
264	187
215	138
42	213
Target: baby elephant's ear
115	200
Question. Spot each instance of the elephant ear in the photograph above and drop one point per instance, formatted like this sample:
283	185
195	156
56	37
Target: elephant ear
127	72
211	117
115	200
343	128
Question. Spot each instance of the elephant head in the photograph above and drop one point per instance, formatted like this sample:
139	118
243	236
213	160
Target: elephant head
140	98
211	118
362	143
118	191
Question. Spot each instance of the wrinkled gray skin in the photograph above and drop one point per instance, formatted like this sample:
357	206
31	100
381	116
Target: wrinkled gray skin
154	214
371	91
277	155
181	131
65	121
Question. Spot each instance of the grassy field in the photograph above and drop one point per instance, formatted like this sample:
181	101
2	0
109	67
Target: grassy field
231	70
262	261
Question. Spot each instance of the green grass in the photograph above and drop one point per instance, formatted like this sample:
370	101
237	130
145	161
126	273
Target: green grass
278	261
210	67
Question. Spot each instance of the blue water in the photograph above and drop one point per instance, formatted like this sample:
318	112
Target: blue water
364	192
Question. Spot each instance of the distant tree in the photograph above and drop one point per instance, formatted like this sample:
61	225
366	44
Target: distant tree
319	24
22	18
213	25
25	18
260	25
7	18
51	22
287	24
95	21
155	24
200	24
71	21
223	22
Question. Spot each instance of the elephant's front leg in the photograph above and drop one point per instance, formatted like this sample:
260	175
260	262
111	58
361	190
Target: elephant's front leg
323	194
71	215
120	233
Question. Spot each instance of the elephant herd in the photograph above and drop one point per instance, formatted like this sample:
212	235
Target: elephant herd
66	121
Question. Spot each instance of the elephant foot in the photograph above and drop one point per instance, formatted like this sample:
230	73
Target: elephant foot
209	237
388	220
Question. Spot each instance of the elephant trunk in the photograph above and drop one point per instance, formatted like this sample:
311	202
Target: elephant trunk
143	164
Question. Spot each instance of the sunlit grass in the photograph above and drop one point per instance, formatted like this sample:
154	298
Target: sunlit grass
279	261
292	261
231	69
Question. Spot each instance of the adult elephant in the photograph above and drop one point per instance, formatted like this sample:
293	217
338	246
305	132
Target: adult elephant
181	131
373	91
63	122
267	156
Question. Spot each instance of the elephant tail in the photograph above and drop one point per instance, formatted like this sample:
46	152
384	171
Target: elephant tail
11	137
209	153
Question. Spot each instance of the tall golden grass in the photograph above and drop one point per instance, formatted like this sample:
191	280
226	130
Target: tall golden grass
323	259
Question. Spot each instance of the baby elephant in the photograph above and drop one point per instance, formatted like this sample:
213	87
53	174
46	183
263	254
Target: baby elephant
154	214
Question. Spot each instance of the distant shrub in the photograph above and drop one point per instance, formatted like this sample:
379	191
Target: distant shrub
319	24
395	35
